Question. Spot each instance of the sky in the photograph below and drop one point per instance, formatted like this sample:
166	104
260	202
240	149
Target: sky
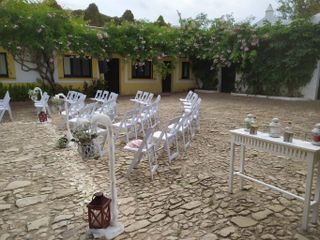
151	9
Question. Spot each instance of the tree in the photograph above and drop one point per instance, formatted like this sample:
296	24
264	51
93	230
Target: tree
93	16
127	16
298	8
160	21
34	33
52	4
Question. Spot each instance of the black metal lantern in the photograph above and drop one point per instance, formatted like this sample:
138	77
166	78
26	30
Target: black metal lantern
99	211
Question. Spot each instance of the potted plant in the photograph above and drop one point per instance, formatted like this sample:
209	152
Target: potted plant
57	103
62	142
84	137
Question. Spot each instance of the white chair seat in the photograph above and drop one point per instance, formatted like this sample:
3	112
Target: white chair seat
157	135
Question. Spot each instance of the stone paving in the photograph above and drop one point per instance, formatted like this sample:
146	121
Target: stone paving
44	190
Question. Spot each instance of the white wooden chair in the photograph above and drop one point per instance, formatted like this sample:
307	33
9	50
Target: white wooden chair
128	124
5	106
184	129
138	95
113	96
42	104
104	96
75	106
155	114
194	114
149	98
97	96
108	108
72	96
191	102
141	148
187	98
144	118
168	139
84	115
144	97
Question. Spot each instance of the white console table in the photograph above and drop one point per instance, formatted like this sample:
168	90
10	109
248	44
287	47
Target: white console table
298	149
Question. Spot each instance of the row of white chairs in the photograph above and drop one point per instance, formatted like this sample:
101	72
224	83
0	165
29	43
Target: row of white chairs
143	98
5	106
104	95
107	107
178	129
138	120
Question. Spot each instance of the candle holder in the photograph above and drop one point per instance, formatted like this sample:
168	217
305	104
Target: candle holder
253	129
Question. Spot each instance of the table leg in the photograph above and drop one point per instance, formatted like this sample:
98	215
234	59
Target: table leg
232	150
242	162
307	197
315	213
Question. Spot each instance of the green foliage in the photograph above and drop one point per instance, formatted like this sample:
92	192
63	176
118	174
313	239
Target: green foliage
19	92
299	8
205	74
286	58
62	142
83	134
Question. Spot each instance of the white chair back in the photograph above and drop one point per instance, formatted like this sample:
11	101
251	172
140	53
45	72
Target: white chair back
138	95
104	96
149	98
5	106
98	94
144	97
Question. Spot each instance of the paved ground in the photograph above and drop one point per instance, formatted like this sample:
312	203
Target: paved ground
44	191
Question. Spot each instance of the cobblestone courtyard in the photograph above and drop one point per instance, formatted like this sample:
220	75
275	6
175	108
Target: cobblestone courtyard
44	190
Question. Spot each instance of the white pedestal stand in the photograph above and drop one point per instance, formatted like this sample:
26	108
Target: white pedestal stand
115	227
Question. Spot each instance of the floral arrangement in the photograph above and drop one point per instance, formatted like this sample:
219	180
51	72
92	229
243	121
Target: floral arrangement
83	134
56	100
33	94
62	142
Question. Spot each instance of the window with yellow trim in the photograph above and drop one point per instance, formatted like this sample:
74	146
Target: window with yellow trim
142	70
77	66
3	65
185	70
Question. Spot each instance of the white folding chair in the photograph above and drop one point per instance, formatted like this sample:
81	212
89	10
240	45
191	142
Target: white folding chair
75	106
84	115
141	148
5	106
184	129
149	98
168	136
72	96
112	97
42	105
194	111
128	123
138	95
187	98
108	108
144	97
144	118
155	114
97	96
104	96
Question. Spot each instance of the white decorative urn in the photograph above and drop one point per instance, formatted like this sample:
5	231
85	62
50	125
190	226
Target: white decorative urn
275	128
